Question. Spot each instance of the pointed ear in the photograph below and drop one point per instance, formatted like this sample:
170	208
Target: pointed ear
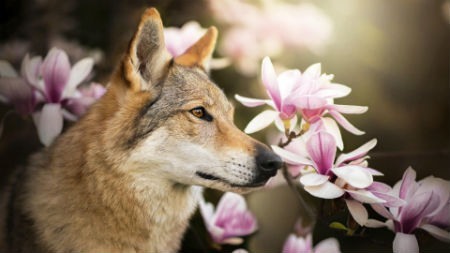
147	59
200	53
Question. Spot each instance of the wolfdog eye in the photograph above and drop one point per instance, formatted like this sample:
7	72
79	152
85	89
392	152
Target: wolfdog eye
201	113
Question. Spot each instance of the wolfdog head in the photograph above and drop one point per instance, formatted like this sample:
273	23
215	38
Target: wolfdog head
179	123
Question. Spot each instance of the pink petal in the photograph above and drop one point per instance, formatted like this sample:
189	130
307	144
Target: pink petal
439	187
437	232
307	102
294	244
56	72
405	243
250	102
358	211
287	81
414	211
372	223
379	187
381	210
330	245
313	71
290	157
269	79
333	90
50	123
78	73
313	179
31	71
354	175
349	109
325	191
322	150
331	127
364	196
391	200
345	123
357	153
408	182
262	120
15	91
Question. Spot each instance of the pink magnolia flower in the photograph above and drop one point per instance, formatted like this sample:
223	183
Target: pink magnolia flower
230	220
314	95
58	84
427	207
298	244
280	90
310	93
330	179
49	91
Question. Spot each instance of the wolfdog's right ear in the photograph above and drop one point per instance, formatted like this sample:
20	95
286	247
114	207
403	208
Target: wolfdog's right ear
147	58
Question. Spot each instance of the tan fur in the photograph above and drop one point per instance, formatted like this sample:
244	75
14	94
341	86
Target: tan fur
127	176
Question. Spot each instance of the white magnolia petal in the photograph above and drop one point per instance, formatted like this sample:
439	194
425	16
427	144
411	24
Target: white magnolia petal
250	102
207	211
7	70
325	191
345	123
365	196
372	223
381	210
354	175
290	157
357	153
350	109
50	123
261	121
358	211
332	127
78	73
313	179
330	245
405	243
437	232
334	90
313	70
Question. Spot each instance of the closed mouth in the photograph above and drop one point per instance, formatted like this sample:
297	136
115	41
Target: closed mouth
210	177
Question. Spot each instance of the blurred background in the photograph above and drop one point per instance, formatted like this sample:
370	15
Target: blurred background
394	54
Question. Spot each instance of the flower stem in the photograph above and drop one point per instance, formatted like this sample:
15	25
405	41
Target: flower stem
307	209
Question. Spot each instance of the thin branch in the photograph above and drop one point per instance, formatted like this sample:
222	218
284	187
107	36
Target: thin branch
310	212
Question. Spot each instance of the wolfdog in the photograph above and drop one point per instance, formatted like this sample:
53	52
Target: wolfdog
128	175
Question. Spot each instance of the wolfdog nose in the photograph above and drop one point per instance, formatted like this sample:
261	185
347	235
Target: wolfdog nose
268	162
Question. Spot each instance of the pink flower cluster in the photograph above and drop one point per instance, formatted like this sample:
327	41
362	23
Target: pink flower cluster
268	28
48	90
311	156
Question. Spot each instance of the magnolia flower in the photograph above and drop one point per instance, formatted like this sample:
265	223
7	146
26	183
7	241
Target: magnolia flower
58	84
296	244
49	91
230	220
280	90
427	207
330	179
310	93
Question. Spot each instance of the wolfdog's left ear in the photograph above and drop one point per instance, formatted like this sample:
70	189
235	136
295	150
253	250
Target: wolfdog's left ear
200	53
147	59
